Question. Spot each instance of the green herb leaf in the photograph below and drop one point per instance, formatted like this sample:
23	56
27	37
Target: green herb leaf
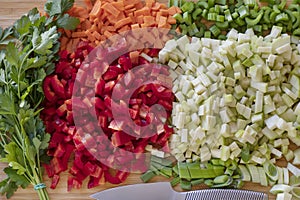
22	25
12	54
14	176
59	6
44	43
67	22
6	104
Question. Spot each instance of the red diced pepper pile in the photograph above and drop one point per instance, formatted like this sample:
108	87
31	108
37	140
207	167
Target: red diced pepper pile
83	140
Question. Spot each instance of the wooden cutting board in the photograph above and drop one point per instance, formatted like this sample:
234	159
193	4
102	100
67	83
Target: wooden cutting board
10	10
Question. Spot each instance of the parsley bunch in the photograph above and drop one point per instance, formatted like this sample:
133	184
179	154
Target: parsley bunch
28	51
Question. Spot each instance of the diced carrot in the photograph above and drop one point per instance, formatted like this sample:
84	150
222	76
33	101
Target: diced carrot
156	32
88	4
64	41
134	57
167	26
140	19
81	19
94	28
100	25
158	44
81	34
123	22
82	13
131	15
86	24
107	34
75	43
130	11
135	26
150	2
149	20
90	35
127	2
157	17
119	5
101	19
129	6
96	9
171	20
111	28
113	20
162	22
143	11
156	6
68	33
96	35
172	10
97	42
144	25
111	9
124	28
178	10
69	46
164	12
139	5
163	6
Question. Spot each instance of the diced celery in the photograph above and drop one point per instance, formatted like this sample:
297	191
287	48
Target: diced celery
245	173
255	177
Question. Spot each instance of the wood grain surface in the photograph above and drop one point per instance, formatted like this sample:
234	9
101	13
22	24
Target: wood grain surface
10	10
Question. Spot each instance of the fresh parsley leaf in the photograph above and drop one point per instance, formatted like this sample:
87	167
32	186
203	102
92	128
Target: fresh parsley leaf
5	36
35	17
2	77
22	25
6	104
24	63
66	5
12	54
8	187
36	62
58	7
18	179
43	44
52	9
67	22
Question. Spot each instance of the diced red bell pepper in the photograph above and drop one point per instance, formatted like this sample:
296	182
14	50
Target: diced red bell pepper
47	88
110	75
49	169
96	181
120	138
73	183
58	165
60	150
81	76
99	88
62	110
55	181
58	87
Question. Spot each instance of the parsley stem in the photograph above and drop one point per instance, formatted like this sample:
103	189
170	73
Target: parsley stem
20	71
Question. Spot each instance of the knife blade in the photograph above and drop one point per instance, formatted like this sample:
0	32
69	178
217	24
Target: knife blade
164	191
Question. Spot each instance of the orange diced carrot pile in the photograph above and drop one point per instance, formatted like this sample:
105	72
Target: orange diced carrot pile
102	19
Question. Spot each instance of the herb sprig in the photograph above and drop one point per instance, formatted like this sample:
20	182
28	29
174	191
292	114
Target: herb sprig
28	52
